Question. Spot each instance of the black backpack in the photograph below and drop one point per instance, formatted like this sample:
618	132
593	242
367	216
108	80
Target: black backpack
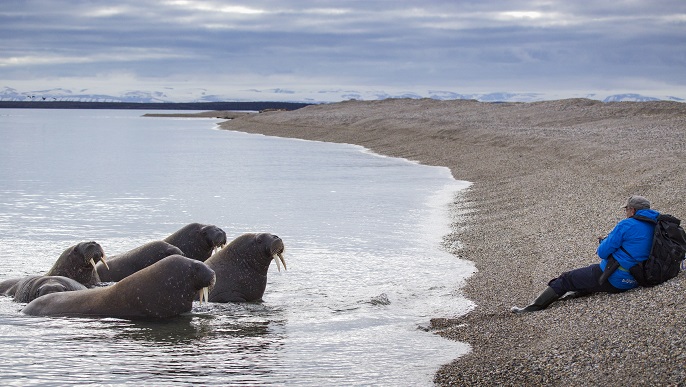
666	254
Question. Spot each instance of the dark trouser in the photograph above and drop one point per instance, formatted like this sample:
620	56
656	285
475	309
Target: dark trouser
583	280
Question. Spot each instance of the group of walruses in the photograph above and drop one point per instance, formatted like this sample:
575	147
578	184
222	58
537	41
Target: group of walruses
160	279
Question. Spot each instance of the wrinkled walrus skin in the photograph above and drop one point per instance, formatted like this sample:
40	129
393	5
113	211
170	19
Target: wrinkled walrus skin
241	267
125	264
162	290
32	287
198	241
9	286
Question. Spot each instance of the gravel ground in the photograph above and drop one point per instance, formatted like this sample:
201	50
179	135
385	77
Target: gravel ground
548	179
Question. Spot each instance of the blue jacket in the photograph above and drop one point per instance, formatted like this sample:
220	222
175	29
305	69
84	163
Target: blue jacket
636	237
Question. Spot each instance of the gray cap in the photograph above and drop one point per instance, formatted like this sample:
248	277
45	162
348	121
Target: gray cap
637	202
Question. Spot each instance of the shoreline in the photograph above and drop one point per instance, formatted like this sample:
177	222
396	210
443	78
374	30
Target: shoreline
547	179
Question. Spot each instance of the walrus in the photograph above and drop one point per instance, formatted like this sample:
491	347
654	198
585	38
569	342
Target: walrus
31	287
198	241
78	263
162	290
241	267
9	286
123	265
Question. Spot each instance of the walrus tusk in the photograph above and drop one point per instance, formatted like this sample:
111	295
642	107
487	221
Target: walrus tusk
280	256
104	262
204	293
217	248
278	266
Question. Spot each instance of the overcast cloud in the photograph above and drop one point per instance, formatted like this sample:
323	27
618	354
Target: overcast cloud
293	49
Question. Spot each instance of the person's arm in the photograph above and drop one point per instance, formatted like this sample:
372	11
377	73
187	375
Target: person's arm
612	242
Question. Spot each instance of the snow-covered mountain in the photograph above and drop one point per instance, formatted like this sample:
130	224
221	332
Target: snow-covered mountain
61	94
637	98
171	95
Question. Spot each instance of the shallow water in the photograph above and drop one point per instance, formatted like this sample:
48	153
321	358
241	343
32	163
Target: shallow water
362	235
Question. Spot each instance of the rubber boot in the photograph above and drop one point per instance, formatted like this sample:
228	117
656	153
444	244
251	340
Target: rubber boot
547	297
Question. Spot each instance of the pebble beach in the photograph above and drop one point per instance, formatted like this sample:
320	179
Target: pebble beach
547	178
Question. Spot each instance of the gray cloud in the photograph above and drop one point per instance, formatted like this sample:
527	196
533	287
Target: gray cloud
556	47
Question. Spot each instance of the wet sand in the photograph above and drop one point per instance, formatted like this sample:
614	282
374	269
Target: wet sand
548	179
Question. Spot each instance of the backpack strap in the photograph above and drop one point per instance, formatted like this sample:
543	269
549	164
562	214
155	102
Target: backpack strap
641	218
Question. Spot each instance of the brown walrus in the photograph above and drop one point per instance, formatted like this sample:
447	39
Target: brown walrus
162	290
123	265
198	241
31	287
241	267
78	263
9	286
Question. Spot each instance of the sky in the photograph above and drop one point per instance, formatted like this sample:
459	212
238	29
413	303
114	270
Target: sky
335	50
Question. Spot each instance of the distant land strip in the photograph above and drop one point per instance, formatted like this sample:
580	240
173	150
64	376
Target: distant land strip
256	106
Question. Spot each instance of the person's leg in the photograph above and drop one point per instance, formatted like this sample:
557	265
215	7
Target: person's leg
582	281
547	297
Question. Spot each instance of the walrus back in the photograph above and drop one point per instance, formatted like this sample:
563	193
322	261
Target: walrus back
33	287
74	303
9	286
132	261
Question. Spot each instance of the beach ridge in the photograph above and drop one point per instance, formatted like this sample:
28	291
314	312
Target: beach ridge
548	179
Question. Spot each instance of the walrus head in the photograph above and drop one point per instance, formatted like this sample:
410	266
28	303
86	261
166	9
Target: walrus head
214	236
267	246
198	241
49	288
91	252
273	247
261	248
204	281
177	276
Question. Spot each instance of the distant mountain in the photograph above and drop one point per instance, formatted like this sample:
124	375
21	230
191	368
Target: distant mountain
61	94
199	95
630	98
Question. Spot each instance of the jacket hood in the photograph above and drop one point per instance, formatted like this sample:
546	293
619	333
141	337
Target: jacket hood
649	213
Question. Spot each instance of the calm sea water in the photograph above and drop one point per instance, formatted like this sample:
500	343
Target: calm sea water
362	235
